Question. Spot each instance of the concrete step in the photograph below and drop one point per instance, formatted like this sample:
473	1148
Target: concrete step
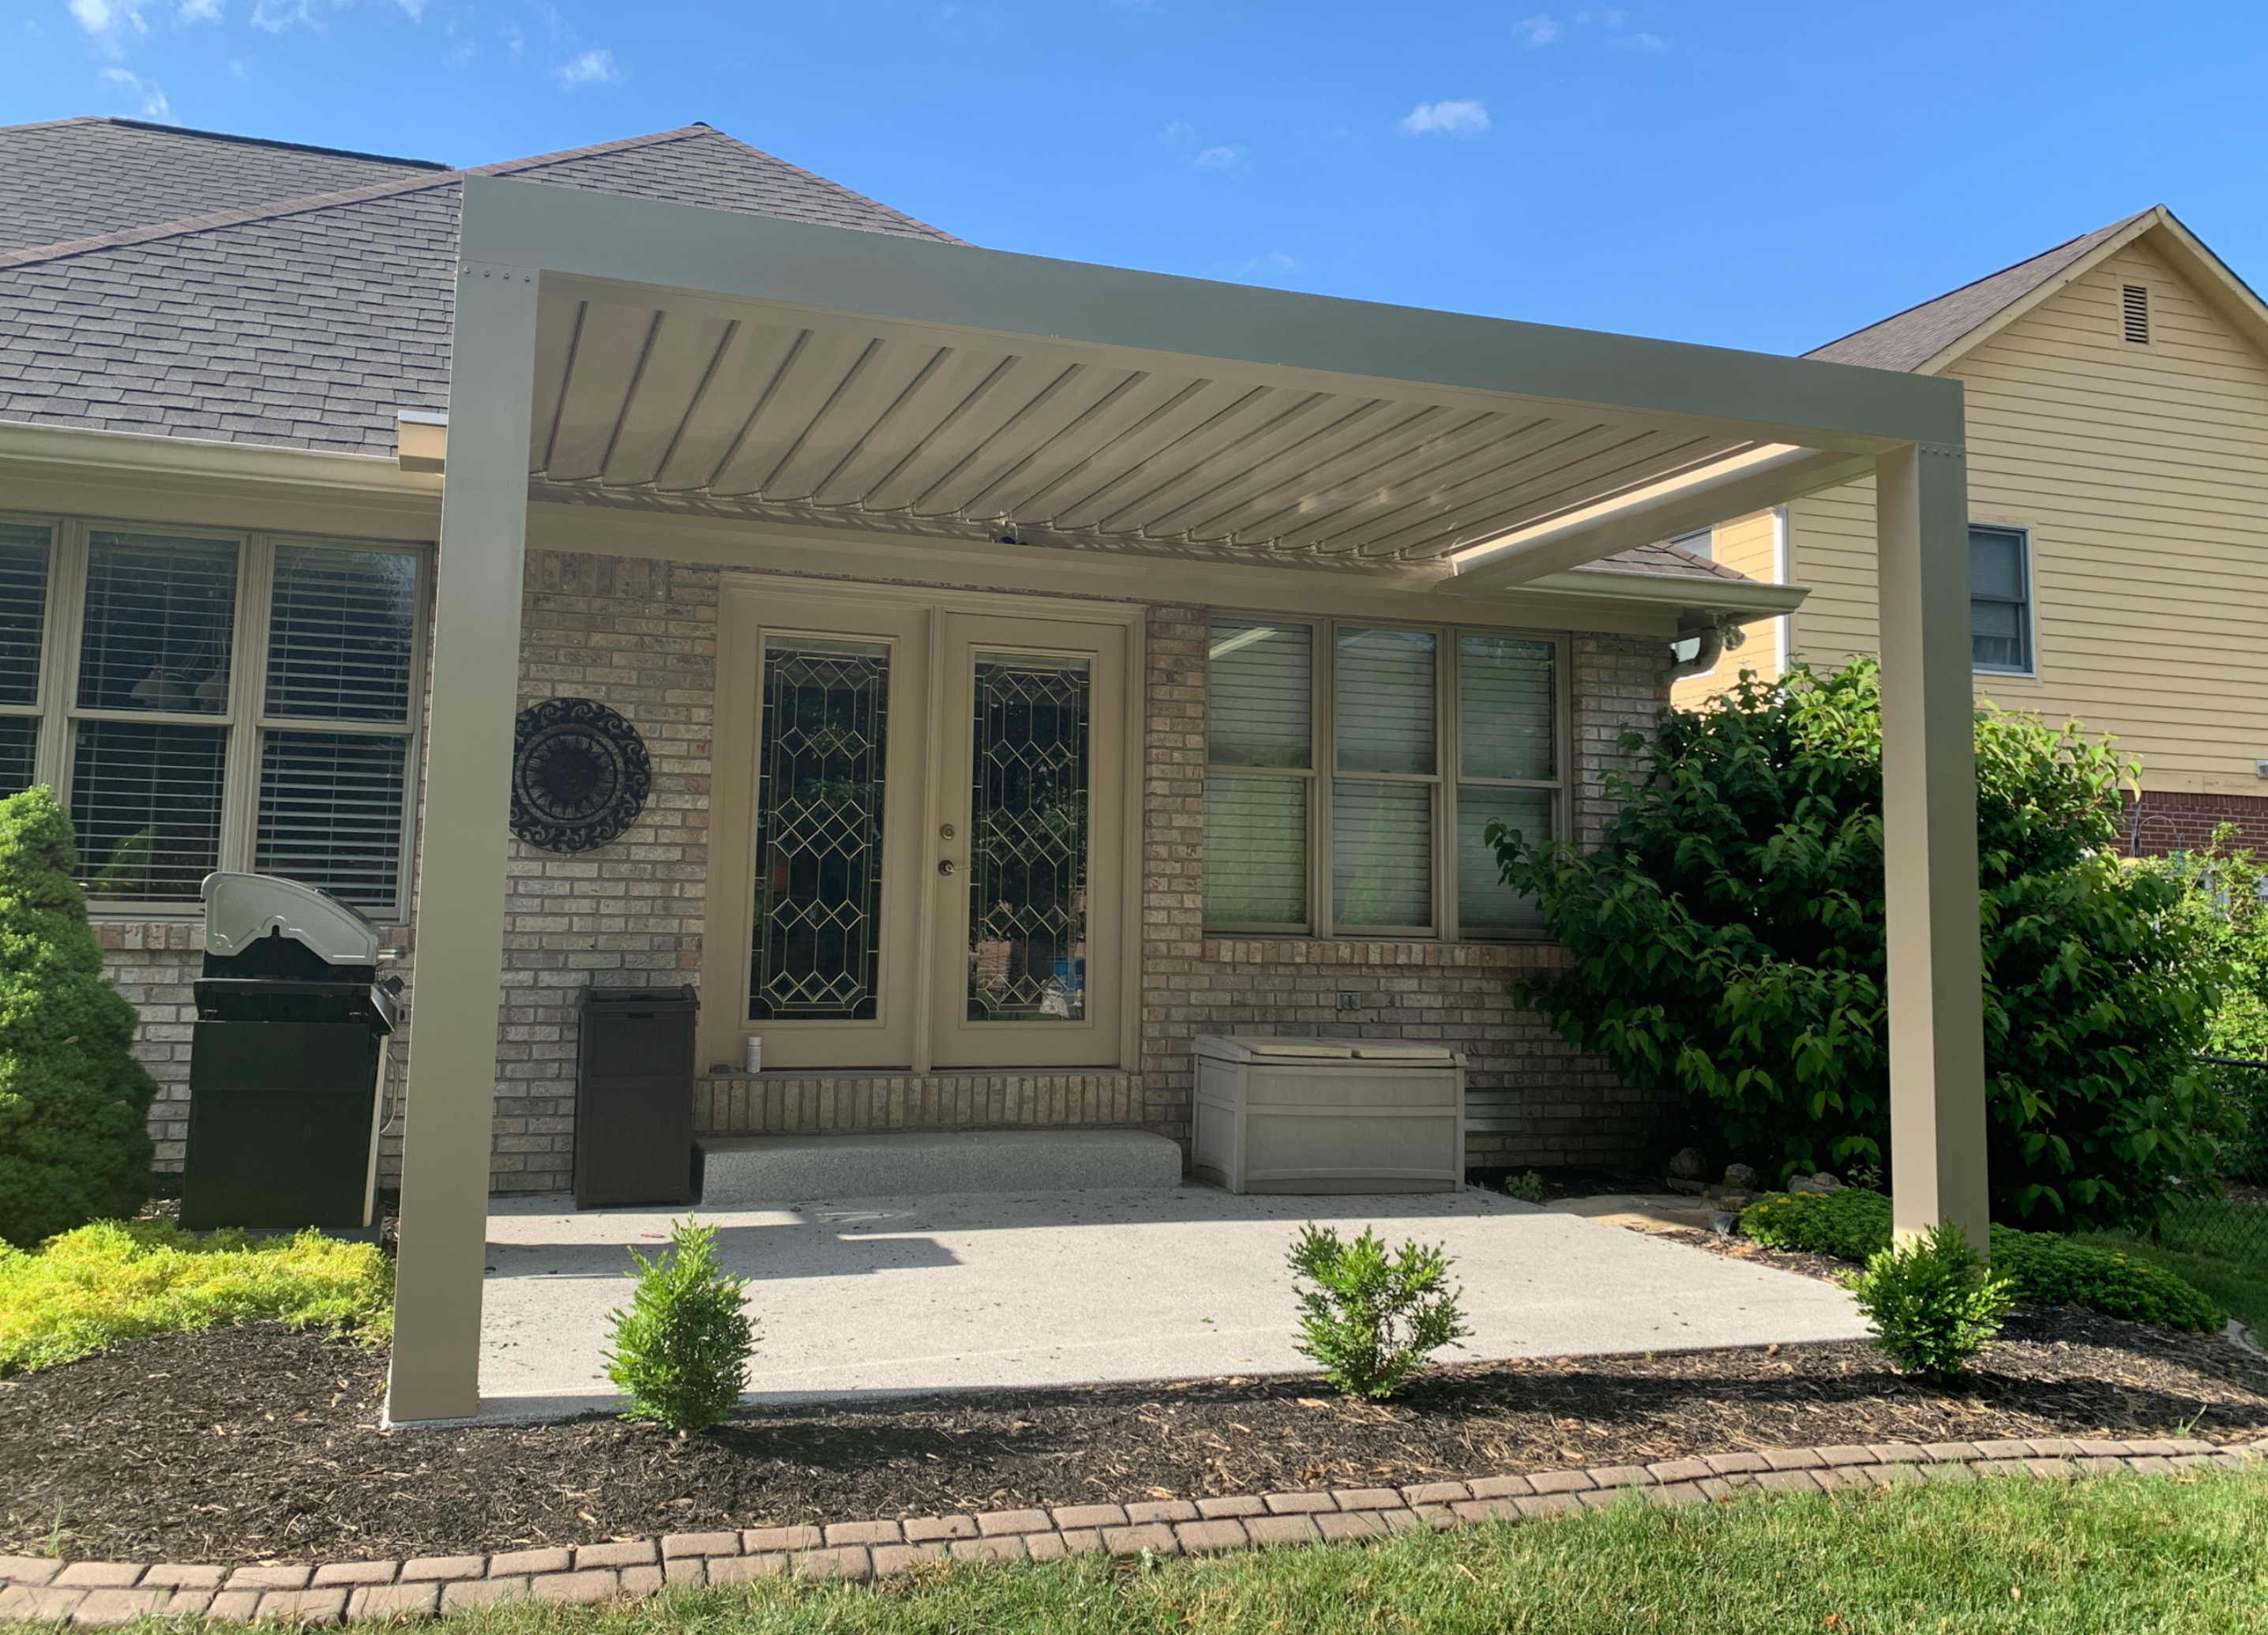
748	1171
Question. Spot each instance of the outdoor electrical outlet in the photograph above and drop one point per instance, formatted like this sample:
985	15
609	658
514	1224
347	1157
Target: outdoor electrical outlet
1349	1001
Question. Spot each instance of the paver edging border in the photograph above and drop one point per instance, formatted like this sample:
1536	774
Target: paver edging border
97	1593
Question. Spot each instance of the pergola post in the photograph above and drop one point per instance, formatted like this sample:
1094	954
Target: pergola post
1929	822
462	851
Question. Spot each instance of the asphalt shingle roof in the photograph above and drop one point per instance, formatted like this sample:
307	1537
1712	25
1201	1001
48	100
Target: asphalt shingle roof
304	319
1909	339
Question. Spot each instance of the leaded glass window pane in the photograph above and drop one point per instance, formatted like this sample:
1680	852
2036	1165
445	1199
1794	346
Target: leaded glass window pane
160	614
330	814
146	799
23	611
1255	857
1385	701
1028	841
339	633
819	832
1257	695
1504	707
1484	902
19	738
1382	854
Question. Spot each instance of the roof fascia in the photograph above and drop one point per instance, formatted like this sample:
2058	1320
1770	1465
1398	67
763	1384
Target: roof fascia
1745	596
72	448
2212	277
1313	342
1968	343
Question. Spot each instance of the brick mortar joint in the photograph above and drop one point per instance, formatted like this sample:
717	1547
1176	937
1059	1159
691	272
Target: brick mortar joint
1425	1504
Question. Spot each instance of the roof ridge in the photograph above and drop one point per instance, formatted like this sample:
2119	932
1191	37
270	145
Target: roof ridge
2079	243
504	167
889	209
264	142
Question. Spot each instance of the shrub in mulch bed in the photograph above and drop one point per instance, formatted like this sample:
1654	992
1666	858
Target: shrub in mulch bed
259	1442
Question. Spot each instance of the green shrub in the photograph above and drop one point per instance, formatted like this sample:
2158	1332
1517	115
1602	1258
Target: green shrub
1850	1225
110	1282
1527	1188
1728	950
2049	1271
682	1348
1931	1302
1371	1320
73	1147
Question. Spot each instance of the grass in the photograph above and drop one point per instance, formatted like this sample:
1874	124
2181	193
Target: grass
2241	1288
2106	1554
114	1281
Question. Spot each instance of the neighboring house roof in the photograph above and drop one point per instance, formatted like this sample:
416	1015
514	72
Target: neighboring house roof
1927	338
1673	561
305	318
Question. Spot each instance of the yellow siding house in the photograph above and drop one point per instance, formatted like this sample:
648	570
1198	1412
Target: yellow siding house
2117	396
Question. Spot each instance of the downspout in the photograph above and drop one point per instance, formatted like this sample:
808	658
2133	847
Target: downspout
1719	634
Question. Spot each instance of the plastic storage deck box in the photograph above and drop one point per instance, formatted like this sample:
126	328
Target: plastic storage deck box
1329	1115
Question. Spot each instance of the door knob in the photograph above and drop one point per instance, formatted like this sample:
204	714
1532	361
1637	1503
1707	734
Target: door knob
944	865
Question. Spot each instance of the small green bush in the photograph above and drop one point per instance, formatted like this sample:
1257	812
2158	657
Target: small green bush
73	1098
1850	1225
2049	1271
1372	1319
682	1348
1529	1187
111	1281
1931	1303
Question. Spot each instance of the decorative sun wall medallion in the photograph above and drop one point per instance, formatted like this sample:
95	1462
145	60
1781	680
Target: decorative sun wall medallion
579	775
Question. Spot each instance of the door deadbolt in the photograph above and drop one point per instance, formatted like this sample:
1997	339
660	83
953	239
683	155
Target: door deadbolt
944	865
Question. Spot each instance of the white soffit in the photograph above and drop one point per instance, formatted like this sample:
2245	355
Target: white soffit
745	408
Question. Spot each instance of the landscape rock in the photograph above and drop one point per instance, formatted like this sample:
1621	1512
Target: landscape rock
1740	1177
1688	1164
1820	1183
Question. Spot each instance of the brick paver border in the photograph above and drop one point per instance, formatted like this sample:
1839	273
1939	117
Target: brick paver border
99	1593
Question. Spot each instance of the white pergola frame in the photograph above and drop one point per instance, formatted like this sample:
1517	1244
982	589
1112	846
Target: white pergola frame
1808	425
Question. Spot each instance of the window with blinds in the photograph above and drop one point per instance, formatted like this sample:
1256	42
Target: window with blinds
233	702
2000	600
1354	773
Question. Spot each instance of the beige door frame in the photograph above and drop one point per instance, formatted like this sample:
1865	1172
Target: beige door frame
926	755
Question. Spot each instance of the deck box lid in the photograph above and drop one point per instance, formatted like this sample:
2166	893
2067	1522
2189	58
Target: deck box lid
1250	1048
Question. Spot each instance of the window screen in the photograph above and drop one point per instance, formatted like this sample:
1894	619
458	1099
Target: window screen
1506	714
1261	713
1381	854
330	814
23	611
1999	599
340	631
1256	861
1385	699
159	617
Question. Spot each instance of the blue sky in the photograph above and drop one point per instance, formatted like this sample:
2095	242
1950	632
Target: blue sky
1766	175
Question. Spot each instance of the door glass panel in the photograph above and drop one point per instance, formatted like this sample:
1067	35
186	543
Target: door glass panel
1027	851
819	832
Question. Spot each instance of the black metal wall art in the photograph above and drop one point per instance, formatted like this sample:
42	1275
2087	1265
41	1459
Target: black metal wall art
579	775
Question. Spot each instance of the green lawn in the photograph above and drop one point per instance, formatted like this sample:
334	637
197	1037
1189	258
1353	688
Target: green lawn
2099	1556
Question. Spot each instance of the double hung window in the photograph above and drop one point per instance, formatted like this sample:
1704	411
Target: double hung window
203	701
2000	600
1354	770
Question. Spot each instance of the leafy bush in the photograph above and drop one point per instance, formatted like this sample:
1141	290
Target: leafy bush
110	1282
1850	1225
1931	1303
1371	1320
73	1098
1729	949
682	1348
2219	891
1527	1188
2042	1269
2049	1271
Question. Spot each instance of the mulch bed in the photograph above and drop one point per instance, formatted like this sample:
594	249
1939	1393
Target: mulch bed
257	1443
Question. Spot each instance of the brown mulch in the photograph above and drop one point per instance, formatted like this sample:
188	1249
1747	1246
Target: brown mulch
258	1443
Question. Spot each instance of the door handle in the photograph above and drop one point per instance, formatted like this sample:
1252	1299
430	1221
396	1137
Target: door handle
944	865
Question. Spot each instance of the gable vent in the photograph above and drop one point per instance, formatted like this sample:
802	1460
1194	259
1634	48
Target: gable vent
2137	308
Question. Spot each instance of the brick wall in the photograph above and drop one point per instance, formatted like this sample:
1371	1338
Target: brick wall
1559	1105
2161	823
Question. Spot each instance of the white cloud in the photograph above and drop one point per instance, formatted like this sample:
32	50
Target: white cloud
1219	159
198	11
110	21
1647	42
275	15
153	103
1465	116
1540	30
1181	131
592	68
1274	264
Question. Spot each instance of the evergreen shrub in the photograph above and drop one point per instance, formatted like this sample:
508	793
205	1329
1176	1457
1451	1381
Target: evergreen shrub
680	1350
1931	1302
1850	1225
1372	1319
73	1144
1728	951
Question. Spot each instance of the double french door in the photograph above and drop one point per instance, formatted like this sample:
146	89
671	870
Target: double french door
920	821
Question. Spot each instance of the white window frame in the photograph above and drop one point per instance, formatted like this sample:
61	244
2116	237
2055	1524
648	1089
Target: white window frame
246	718
2030	668
1322	756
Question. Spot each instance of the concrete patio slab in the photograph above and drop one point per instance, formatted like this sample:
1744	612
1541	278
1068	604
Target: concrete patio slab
959	1292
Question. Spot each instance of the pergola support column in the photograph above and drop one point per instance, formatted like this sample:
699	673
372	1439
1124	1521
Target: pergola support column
1929	821
462	851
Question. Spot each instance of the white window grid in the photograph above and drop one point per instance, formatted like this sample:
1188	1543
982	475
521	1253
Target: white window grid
1444	779
245	716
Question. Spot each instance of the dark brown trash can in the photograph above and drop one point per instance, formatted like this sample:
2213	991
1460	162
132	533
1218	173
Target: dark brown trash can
634	1097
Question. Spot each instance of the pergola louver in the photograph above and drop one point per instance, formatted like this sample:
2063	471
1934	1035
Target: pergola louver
620	351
